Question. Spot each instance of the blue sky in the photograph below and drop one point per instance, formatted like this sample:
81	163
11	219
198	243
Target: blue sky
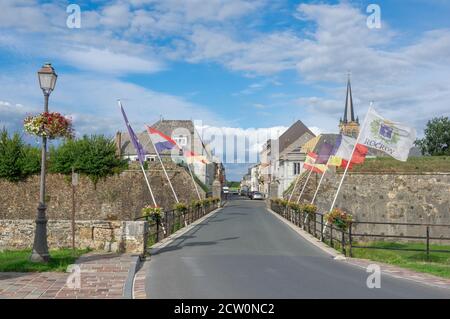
239	64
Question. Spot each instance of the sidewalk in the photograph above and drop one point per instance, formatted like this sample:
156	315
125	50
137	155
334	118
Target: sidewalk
103	276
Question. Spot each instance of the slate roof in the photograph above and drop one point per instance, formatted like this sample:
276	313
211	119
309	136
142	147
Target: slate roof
297	130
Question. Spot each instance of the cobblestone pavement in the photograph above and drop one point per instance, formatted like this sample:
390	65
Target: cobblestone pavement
101	276
423	278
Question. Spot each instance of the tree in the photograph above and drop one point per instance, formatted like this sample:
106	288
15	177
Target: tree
17	160
437	137
10	156
93	156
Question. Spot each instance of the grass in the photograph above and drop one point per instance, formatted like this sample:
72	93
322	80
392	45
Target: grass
19	260
438	263
427	164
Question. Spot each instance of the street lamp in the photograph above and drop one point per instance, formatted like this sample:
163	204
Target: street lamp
47	81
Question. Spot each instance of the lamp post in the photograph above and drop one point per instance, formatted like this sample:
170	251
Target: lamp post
47	81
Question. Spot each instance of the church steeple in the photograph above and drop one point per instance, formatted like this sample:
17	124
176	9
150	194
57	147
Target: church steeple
349	125
349	115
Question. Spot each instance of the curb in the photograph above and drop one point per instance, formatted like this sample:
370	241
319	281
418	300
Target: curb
310	238
129	283
166	241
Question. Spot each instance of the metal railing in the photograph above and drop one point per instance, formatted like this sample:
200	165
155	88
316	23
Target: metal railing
349	239
172	221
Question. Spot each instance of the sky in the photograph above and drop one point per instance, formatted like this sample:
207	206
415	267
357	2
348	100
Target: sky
241	66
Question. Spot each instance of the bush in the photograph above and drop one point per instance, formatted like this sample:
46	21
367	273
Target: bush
93	156
17	160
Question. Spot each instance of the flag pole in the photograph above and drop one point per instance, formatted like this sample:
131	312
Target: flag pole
295	186
193	180
304	186
318	186
148	184
119	102
165	172
346	167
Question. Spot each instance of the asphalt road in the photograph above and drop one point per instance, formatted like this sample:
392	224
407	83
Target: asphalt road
244	252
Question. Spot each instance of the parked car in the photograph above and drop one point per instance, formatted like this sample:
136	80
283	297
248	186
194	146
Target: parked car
257	196
250	194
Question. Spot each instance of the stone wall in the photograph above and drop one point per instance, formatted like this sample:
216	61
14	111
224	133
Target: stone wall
110	236
119	197
401	198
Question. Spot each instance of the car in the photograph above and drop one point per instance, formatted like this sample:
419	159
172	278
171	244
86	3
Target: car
250	194
226	189
257	196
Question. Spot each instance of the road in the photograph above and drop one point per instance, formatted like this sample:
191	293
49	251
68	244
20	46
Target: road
245	252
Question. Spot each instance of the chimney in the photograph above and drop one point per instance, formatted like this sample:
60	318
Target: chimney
119	144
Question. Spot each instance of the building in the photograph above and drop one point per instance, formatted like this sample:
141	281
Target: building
184	133
254	178
291	158
349	125
282	159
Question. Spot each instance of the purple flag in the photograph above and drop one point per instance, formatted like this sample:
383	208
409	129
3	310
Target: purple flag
325	151
137	145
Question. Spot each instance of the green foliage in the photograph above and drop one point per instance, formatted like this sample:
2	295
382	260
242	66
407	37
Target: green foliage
437	137
180	207
339	218
438	264
234	185
93	156
17	160
196	203
31	160
390	165
19	260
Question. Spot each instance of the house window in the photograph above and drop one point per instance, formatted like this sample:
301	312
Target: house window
296	168
181	140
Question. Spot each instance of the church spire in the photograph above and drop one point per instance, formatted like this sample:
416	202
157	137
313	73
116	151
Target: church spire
349	125
349	115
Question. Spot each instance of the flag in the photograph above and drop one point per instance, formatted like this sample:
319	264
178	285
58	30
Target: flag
325	151
192	157
160	140
343	151
310	163
134	139
310	160
393	138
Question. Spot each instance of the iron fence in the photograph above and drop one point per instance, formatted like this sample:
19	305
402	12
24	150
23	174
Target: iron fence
348	239
172	221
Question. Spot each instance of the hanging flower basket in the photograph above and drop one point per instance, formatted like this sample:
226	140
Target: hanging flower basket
180	208
51	125
296	208
196	204
339	218
152	212
309	209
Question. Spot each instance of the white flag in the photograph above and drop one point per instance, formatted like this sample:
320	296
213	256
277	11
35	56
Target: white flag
393	138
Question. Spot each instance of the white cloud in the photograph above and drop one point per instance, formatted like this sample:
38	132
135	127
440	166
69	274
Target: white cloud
107	61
